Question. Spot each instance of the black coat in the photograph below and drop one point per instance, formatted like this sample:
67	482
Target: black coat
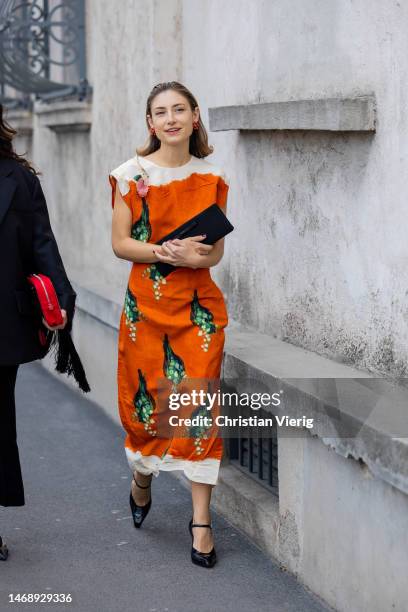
27	245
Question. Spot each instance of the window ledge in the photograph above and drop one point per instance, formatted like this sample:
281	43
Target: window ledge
356	114
65	116
355	413
20	120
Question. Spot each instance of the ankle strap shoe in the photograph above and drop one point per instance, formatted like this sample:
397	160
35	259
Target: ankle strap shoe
199	558
139	513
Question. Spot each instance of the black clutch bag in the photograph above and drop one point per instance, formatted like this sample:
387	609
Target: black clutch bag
212	221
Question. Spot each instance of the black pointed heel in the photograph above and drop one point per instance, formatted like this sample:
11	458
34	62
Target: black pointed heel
197	557
139	513
3	551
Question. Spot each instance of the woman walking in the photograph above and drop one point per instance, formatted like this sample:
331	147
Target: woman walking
27	246
171	326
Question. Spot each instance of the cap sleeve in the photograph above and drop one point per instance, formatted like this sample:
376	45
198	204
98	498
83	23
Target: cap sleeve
125	187
222	189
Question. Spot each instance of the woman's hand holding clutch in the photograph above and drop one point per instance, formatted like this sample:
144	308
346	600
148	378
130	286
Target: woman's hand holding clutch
185	252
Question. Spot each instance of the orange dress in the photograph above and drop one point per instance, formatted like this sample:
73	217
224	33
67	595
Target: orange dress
171	328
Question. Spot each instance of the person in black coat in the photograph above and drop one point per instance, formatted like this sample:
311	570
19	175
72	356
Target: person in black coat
27	245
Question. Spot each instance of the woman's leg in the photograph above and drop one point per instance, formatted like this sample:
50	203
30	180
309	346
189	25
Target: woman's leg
11	483
201	497
141	496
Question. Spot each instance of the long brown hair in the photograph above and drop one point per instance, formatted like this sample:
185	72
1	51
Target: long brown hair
7	151
199	138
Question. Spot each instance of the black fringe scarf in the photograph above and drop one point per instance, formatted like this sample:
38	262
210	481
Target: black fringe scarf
66	358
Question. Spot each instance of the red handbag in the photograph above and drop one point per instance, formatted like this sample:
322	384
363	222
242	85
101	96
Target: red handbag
47	299
66	357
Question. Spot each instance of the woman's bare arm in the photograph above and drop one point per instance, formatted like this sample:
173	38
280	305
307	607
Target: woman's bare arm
123	245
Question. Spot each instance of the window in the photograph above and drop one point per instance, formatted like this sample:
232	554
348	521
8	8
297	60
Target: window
42	50
257	457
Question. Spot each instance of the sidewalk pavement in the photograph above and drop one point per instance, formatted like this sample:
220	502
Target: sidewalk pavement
75	534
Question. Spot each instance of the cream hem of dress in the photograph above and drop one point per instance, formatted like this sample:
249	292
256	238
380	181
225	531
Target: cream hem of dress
205	470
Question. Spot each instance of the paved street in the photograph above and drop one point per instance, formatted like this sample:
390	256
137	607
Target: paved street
75	533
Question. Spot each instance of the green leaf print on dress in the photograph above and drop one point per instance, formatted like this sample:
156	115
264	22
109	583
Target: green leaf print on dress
199	432
156	277
144	404
173	365
203	318
132	314
141	229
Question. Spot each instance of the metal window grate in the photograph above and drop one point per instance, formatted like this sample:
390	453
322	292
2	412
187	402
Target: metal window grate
257	457
42	49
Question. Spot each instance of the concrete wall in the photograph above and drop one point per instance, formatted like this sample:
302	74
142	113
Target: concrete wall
320	259
334	532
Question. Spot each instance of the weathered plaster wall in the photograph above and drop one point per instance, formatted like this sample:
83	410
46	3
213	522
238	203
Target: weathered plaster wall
318	257
330	507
